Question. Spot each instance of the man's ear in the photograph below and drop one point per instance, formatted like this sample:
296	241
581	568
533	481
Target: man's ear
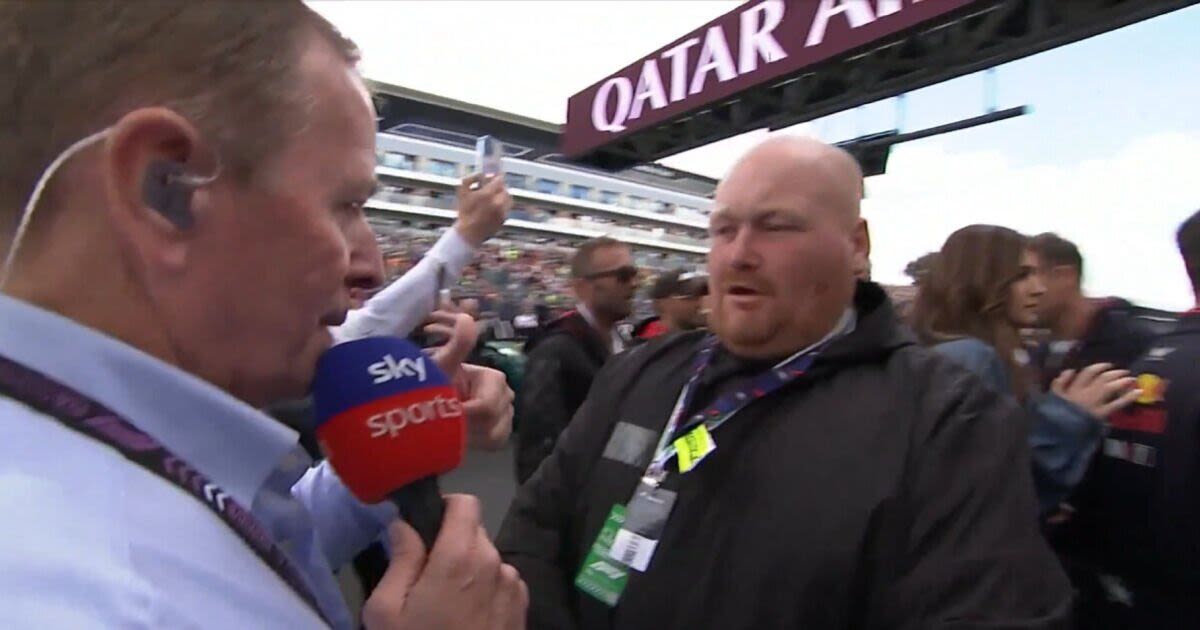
148	159
861	240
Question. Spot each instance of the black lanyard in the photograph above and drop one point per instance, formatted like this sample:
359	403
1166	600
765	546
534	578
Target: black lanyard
88	417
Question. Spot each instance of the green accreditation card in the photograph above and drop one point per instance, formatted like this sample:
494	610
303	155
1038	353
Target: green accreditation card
601	576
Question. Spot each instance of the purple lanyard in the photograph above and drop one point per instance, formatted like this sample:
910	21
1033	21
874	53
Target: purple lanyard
84	415
726	406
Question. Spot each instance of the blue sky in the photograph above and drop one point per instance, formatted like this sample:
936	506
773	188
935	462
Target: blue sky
1088	98
1108	157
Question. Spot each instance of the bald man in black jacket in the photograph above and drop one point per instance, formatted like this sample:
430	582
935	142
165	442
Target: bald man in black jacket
858	480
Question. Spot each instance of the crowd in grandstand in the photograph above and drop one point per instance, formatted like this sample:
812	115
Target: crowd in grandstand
512	275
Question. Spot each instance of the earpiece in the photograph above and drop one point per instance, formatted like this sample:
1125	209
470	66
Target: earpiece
168	190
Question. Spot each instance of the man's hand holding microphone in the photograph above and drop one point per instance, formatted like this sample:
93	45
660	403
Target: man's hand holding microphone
391	419
461	584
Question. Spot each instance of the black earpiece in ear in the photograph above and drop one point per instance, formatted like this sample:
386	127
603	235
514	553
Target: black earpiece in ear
165	190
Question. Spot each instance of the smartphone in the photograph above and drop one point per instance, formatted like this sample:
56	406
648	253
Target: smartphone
489	153
441	297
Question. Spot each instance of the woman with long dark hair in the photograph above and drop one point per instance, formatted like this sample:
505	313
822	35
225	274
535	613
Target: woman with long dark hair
982	289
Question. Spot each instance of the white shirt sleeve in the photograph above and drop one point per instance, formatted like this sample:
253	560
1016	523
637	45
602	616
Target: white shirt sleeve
402	305
344	525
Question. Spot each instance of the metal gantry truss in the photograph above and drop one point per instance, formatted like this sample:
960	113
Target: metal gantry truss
987	34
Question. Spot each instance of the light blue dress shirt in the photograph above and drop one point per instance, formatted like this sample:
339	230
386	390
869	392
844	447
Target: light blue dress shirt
91	540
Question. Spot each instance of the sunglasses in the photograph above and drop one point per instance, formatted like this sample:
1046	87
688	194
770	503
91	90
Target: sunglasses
622	274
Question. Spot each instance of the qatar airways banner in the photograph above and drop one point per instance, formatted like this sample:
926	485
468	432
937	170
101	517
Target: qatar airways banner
761	41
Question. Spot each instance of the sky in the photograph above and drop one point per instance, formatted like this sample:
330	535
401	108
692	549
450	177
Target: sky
1108	157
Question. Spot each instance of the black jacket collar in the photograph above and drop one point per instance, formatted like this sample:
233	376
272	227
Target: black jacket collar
877	333
575	326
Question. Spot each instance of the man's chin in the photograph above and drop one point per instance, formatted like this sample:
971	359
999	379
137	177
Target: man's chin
741	331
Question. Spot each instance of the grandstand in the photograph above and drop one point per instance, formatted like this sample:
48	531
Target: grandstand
426	145
556	206
418	178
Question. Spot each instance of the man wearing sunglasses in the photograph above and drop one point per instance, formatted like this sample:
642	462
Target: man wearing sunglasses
565	356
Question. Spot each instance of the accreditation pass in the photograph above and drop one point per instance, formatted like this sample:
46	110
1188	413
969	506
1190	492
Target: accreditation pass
645	517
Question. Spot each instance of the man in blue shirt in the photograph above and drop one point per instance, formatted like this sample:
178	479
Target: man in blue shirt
181	221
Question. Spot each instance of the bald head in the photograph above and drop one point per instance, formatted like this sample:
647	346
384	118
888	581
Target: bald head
787	243
824	177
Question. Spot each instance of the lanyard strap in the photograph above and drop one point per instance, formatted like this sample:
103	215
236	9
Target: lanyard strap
726	406
88	417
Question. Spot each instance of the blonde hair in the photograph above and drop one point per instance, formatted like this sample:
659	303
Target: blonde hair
71	68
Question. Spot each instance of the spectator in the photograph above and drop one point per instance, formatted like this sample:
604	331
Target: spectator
566	355
982	288
1140	535
1083	330
398	308
677	297
861	481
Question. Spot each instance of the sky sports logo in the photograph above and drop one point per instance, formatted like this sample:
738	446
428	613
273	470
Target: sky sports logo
389	369
393	421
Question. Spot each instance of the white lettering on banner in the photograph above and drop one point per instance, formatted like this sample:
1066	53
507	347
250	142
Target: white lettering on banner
617	102
888	7
390	369
649	87
714	55
679	59
393	421
755	36
858	13
756	41
600	105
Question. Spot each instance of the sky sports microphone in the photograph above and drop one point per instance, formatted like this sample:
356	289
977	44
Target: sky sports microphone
390	422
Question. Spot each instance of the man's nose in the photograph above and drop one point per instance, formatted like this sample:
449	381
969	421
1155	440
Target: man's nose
742	252
366	261
1039	285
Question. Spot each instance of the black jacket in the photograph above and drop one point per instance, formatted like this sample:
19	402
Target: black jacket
563	358
1114	335
1143	524
888	488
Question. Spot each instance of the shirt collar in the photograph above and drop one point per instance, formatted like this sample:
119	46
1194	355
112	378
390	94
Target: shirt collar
615	342
587	314
232	443
844	326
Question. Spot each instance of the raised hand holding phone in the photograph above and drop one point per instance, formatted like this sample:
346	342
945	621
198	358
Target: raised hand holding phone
483	206
489	156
